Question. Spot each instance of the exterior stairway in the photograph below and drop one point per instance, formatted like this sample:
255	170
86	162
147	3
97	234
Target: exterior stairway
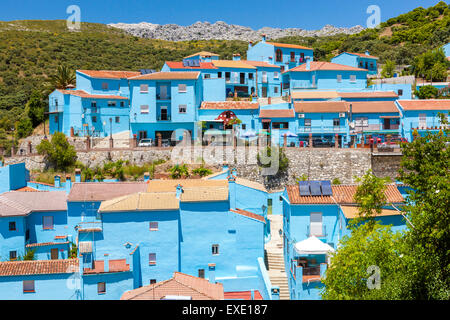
274	256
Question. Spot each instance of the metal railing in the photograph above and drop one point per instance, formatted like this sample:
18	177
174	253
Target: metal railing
323	235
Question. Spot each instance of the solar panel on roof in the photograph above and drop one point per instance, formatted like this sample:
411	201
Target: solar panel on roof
304	188
146	71
326	188
195	63
315	188
185	63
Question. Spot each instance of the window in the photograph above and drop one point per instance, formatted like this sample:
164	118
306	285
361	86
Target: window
47	222
122	103
117	119
94	109
182	108
292	56
316	224
54	254
104	85
144	108
361	122
27	235
94	119
56	103
219	74
153	226
182	87
278	55
12	226
264	76
352	78
282	68
339	78
144	88
111	103
250	76
152	281
400	92
101	287
28	286
201	273
276	75
227	76
93	104
280	125
244	126
336	122
152	259
302	57
361	64
207	76
56	119
215	249
371	65
13	255
275	89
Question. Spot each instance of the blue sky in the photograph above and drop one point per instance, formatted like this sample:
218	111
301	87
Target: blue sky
311	14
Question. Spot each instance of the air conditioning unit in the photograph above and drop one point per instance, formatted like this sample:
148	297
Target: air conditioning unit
341	114
301	115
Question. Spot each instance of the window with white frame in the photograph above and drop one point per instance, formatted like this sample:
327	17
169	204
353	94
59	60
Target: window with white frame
276	75
361	122
13	255
101	287
182	87
352	78
215	249
144	88
182	108
152	259
28	286
153	226
316	224
47	222
144	108
307	125
111	103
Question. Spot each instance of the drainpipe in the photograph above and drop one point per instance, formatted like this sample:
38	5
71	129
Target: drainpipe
68	183
57	182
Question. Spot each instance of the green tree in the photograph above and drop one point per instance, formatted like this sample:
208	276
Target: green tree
388	69
58	152
35	108
427	92
24	127
64	76
178	171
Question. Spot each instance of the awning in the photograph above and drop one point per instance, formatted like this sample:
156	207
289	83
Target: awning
389	117
312	245
266	120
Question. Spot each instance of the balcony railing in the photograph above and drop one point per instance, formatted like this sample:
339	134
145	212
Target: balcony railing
164	117
159	97
54	108
90	226
322	129
316	234
236	81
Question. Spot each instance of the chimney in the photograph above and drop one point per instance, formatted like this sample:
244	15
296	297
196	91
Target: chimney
68	183
263	38
179	190
232	190
77	175
236	57
146	176
308	63
212	272
57	181
106	262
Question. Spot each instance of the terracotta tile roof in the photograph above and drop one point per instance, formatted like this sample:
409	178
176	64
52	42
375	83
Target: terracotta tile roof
171	185
351	212
362	55
15	203
409	105
320	106
33	267
204	194
277	113
311	278
314	95
242	295
110	74
84	94
27	189
45	244
118	265
249	214
237	64
229	105
142	201
369	94
260	64
323	65
374	107
179	285
174	75
287	45
250	184
342	194
100	191
179	65
202	54
61	237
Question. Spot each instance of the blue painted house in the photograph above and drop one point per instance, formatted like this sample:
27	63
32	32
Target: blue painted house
358	60
13	177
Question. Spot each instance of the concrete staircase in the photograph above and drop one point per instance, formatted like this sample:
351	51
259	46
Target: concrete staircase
274	256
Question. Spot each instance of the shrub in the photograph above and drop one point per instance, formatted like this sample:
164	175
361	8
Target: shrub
58	151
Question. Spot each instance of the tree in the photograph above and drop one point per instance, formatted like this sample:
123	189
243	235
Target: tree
63	77
24	127
427	92
388	69
35	108
432	65
283	161
58	151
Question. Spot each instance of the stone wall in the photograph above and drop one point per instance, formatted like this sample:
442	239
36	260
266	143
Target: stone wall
386	165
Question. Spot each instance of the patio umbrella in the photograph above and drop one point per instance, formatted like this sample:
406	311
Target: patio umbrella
289	134
248	134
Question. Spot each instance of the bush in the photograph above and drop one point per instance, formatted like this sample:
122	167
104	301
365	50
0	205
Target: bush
58	151
427	92
202	171
177	171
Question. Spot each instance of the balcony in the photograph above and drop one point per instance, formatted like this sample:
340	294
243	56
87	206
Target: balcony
163	97
316	233
163	117
322	129
236	81
89	226
55	109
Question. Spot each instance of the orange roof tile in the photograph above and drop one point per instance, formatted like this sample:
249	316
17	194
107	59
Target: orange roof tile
202	54
110	74
351	212
28	189
237	64
242	295
249	214
260	64
45	244
288	45
118	265
174	75
179	65
409	105
320	106
368	94
229	105
277	113
323	65
32	267
362	55
179	285
374	107
101	191
84	94
342	194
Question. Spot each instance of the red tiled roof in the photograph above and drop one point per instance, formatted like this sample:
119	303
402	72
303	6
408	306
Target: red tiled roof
118	265
362	55
242	295
368	94
45	244
101	191
229	105
179	285
15	203
249	214
179	65
320	106
374	107
84	94
61	237
277	113
260	64
288	45
323	65
110	74
32	267
409	105
342	194
27	189
174	75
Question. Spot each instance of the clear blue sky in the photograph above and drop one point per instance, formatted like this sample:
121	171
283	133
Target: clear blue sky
311	14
